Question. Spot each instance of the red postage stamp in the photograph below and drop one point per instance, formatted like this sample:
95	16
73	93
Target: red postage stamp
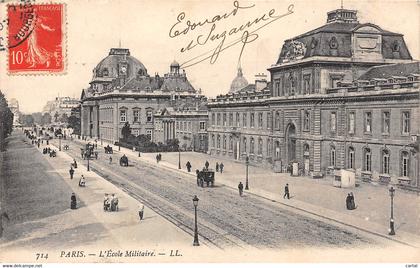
36	38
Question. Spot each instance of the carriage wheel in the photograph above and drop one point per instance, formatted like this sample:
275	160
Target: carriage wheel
212	183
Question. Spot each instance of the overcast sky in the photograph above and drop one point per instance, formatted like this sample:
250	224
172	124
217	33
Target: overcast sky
93	27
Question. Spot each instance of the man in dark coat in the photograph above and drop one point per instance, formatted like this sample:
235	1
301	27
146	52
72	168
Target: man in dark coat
221	166
286	191
217	166
188	166
73	202
240	188
71	171
207	164
348	201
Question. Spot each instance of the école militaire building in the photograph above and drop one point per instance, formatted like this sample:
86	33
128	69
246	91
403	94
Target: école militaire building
342	96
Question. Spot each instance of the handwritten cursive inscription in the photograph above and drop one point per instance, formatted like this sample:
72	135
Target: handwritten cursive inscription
244	33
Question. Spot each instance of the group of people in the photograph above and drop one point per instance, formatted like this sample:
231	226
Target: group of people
49	151
219	167
110	202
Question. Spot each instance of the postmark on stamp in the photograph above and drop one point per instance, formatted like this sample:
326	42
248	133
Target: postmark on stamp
36	38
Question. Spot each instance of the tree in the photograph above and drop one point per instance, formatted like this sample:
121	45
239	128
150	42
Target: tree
28	120
56	116
126	131
74	123
46	119
64	118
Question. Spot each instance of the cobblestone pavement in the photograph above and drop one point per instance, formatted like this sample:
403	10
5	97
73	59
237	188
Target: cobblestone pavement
225	219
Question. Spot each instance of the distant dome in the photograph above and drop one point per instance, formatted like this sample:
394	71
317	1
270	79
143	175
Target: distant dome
112	65
174	64
238	83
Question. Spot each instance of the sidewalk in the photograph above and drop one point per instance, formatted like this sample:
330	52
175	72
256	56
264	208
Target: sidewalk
317	197
88	228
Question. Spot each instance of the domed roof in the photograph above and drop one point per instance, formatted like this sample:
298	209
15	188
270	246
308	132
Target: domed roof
238	83
174	64
117	62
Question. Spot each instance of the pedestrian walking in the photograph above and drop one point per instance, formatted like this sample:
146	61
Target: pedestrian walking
352	203
240	188
217	166
71	171
82	181
141	212
188	165
74	163
110	160
73	201
221	166
207	164
286	191
348	201
157	158
160	157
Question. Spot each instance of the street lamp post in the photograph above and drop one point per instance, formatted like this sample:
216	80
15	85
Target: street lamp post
195	202
88	167
179	158
247	165
391	221
59	143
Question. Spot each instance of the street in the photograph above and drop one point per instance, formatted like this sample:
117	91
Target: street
225	219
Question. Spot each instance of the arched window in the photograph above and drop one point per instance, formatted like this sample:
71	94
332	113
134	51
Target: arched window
367	159
277	150
332	156
213	142
306	150
405	164
218	141
251	146
350	161
224	142
244	144
385	161
230	143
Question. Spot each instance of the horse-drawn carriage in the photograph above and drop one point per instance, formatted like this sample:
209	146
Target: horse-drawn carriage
205	176
124	161
108	149
89	152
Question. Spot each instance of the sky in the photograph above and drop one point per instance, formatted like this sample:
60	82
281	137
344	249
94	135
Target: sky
94	26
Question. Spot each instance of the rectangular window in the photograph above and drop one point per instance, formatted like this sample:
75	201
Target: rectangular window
213	117
386	122
252	120
368	122
277	88
136	116
149	134
269	120
406	122
405	164
218	119
230	119
202	126
307	84
244	119
333	121
260	120
238	120
149	116
123	116
224	119
306	120
352	117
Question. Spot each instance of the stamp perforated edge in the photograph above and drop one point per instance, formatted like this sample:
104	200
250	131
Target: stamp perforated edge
64	46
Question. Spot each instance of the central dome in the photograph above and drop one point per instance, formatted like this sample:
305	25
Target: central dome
238	83
117	63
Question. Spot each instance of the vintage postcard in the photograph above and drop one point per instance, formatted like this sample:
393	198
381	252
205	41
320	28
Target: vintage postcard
246	131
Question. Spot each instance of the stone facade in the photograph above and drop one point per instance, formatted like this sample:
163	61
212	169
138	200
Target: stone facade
345	95
122	91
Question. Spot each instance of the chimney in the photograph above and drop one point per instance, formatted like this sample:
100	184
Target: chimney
260	81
